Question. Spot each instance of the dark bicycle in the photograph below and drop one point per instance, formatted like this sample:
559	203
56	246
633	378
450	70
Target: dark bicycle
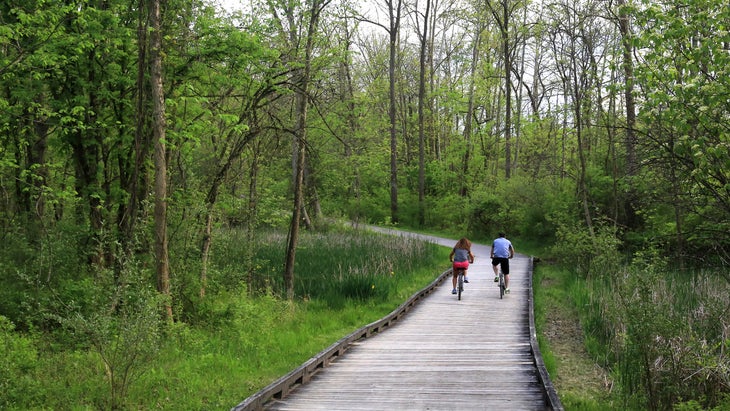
460	281
501	284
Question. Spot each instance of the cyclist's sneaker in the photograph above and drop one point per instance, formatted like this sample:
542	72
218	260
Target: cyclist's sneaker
506	290
453	291
496	279
466	280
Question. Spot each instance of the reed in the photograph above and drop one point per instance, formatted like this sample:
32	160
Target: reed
664	333
332	266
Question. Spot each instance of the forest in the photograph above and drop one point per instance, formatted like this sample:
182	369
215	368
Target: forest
165	163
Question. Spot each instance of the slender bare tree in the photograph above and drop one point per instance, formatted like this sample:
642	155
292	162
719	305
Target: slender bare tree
300	132
394	18
160	159
423	34
502	13
624	26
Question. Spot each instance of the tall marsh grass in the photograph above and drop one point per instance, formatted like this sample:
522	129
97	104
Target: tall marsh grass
335	266
664	334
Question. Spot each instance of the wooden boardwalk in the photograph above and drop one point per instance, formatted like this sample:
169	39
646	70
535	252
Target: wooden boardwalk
445	354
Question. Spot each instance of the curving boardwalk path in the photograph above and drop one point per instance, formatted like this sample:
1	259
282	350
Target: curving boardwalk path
473	354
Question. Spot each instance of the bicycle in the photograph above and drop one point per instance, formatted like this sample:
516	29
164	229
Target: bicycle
460	282
501	284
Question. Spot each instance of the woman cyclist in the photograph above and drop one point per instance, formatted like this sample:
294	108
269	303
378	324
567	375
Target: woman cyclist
460	256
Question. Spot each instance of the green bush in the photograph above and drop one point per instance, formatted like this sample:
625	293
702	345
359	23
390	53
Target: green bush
123	330
588	254
38	276
450	213
488	214
19	363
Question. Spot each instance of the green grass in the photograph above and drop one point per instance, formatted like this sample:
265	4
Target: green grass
236	343
603	337
580	382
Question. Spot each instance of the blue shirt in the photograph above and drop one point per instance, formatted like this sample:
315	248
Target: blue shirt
501	247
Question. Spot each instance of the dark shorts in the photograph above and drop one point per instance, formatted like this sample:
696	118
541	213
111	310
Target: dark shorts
504	262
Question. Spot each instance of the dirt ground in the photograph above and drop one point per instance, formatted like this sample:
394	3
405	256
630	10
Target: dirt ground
578	376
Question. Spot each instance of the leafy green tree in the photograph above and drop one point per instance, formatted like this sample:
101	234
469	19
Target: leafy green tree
299	53
221	107
683	75
624	20
394	11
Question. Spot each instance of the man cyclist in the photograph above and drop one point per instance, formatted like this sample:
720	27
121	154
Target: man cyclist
502	251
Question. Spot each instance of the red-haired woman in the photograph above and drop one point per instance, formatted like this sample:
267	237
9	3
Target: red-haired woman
461	256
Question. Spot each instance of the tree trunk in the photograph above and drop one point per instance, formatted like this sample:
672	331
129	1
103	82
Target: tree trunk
678	204
293	239
138	184
421	120
253	285
348	96
630	138
502	20
469	119
507	91
393	31
301	140
205	249
160	213
520	78
582	186
32	177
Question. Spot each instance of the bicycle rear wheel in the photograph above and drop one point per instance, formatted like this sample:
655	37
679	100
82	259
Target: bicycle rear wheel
501	285
461	283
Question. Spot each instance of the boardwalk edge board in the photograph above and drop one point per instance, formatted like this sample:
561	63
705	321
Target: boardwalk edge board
552	400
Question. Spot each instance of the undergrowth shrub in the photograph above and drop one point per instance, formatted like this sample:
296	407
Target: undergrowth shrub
450	213
523	206
588	254
531	202
35	273
124	330
19	362
488	214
